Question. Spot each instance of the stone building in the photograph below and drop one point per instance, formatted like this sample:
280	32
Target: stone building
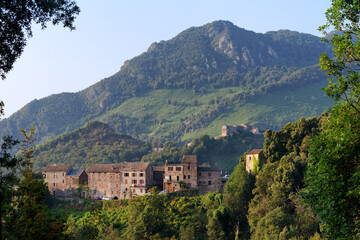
253	158
184	173
135	178
119	181
104	180
209	179
63	181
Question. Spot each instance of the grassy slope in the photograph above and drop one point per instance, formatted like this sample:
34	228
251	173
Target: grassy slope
171	108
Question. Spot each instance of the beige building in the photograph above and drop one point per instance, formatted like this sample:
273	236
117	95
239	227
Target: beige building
63	181
136	177
255	156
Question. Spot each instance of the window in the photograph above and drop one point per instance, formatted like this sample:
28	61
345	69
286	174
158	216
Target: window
184	176
178	168
54	184
170	168
141	174
63	181
188	176
126	189
104	192
126	174
249	157
177	178
199	174
209	182
141	190
125	181
133	190
134	174
141	181
134	181
189	167
99	184
117	176
169	178
54	176
117	185
209	174
112	192
63	174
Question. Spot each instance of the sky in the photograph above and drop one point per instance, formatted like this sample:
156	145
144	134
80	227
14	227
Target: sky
109	32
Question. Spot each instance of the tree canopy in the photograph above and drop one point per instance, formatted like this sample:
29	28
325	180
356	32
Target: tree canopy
333	175
16	18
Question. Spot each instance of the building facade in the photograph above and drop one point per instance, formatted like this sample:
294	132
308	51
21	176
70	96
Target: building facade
209	179
254	159
119	181
63	181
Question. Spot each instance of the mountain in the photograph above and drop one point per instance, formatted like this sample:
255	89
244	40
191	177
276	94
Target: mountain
94	143
192	84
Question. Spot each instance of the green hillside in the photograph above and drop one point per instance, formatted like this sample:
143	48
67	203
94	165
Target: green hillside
92	144
192	84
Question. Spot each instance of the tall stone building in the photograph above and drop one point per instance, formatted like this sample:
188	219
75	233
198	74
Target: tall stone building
63	181
184	173
188	175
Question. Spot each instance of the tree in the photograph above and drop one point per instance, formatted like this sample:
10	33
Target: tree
8	179
28	216
16	18
333	175
237	197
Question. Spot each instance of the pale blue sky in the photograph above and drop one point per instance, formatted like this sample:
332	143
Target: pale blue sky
108	32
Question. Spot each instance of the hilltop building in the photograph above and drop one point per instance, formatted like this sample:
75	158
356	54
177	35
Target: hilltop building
63	181
226	130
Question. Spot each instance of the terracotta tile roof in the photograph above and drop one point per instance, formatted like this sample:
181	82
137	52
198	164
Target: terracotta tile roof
57	168
255	151
189	159
208	169
158	168
105	168
137	166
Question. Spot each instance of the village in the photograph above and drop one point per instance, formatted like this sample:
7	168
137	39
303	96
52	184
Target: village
131	179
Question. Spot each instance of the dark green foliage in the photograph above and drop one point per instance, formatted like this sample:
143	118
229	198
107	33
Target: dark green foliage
28	217
95	143
223	153
238	193
276	212
199	64
333	176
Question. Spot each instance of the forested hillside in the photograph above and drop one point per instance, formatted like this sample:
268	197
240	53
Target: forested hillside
94	143
97	143
192	84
